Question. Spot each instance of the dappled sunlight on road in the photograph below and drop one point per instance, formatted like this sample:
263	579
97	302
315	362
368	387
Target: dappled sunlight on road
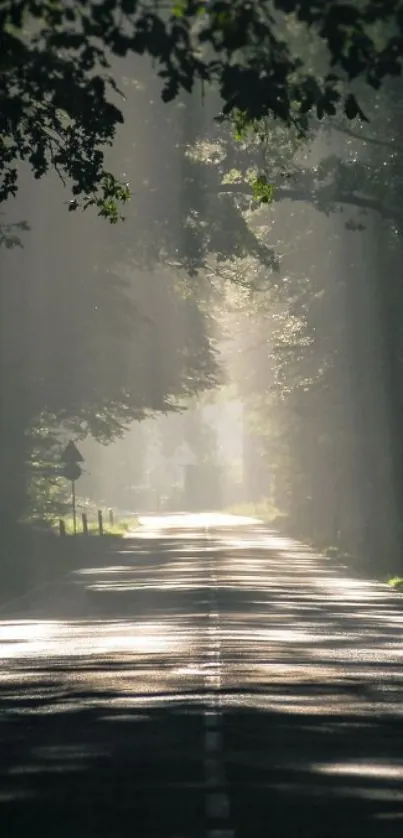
35	639
362	769
294	630
109	676
184	522
68	665
197	520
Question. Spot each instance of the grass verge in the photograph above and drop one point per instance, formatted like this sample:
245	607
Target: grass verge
32	557
118	528
396	582
263	510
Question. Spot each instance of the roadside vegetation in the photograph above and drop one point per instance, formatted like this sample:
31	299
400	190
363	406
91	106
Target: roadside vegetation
119	527
34	554
396	582
274	518
263	510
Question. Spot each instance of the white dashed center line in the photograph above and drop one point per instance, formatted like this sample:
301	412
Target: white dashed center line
217	803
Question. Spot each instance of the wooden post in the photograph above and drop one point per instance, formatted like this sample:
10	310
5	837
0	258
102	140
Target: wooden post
100	522
85	523
73	503
111	517
62	528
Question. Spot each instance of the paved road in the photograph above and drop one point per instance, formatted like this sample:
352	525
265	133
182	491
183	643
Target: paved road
215	681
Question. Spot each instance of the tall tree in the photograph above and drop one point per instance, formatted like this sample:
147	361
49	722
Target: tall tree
93	344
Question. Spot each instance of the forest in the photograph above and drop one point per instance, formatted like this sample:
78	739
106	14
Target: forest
203	200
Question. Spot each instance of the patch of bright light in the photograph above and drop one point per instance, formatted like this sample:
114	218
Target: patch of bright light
384	770
196	521
33	639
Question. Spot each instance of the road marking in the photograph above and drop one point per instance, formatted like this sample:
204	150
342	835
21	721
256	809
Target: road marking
217	806
214	654
213	772
213	741
213	682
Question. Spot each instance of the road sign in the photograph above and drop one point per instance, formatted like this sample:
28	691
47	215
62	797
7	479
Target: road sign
71	471
71	454
71	458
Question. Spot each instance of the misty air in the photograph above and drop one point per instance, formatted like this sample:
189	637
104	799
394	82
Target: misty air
201	418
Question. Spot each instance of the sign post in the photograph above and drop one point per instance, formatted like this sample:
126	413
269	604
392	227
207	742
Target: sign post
71	458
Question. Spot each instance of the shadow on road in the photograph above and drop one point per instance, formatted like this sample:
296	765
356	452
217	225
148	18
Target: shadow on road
309	776
101	771
88	768
102	709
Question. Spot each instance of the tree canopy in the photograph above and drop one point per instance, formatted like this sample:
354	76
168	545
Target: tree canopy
59	101
224	106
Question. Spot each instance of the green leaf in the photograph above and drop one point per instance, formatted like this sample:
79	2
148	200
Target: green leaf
262	190
179	9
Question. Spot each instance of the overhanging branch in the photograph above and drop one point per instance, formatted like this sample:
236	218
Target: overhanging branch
314	197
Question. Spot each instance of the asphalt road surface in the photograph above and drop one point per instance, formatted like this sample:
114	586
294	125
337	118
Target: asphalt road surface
213	681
